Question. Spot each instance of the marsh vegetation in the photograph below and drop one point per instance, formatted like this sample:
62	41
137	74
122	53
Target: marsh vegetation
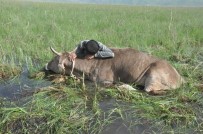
28	29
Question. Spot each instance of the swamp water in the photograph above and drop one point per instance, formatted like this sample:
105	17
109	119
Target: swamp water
14	88
121	121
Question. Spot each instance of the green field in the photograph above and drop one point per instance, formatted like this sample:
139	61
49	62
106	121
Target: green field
28	29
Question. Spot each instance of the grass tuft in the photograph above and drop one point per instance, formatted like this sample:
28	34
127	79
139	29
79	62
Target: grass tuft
8	72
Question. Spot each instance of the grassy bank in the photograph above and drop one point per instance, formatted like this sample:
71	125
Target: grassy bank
28	29
176	34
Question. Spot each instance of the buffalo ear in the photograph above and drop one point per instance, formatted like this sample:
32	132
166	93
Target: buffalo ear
55	52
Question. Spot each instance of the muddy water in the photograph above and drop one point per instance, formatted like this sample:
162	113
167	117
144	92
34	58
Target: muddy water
13	89
119	125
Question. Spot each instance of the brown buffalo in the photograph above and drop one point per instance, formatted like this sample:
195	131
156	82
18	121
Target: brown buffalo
128	66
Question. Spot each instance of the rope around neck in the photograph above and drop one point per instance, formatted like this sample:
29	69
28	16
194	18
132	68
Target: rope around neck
73	66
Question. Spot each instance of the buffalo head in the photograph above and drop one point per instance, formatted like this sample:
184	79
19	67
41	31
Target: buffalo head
59	64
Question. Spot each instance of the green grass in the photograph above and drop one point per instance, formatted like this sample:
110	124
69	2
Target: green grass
28	29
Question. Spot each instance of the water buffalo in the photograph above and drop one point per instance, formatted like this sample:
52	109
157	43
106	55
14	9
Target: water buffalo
128	66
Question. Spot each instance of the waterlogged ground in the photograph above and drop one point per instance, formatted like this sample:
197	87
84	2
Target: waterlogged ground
14	88
58	104
37	102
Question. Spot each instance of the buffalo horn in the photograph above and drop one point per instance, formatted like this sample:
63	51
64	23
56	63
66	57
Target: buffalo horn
55	52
